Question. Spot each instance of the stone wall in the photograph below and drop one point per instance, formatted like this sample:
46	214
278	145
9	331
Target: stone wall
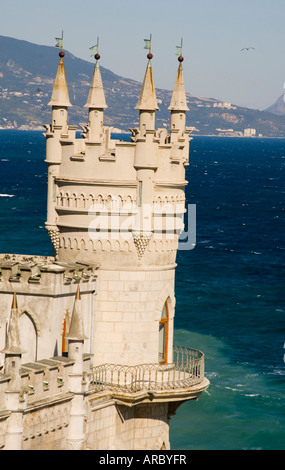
121	427
44	413
127	312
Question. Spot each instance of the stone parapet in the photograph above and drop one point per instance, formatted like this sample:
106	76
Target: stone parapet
42	271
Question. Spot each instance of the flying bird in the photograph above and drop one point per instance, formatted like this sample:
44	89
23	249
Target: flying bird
247	48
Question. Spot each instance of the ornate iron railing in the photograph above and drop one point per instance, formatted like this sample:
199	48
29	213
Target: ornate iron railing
186	371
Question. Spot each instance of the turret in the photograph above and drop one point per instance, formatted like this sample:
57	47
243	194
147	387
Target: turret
146	153
12	350
178	105
147	103
76	339
14	401
55	132
60	99
96	103
76	334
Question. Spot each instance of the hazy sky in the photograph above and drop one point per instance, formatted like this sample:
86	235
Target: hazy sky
213	31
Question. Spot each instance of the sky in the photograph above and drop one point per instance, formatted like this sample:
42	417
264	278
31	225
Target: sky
213	32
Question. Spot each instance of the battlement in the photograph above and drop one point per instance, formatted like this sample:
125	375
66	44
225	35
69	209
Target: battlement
48	377
48	410
40	270
44	379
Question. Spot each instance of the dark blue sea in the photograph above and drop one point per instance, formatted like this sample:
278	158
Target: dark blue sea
230	288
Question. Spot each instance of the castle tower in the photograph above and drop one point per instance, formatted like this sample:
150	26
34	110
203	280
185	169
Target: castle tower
114	214
56	134
120	205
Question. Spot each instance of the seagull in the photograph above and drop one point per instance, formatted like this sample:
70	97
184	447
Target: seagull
247	48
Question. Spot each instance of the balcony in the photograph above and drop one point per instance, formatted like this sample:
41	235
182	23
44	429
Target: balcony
181	380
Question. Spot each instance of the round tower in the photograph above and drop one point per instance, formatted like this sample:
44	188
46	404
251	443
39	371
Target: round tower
56	132
120	205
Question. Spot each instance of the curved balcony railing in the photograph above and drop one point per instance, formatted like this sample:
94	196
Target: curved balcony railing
186	371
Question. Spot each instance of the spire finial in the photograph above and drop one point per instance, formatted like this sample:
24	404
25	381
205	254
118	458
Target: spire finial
179	51
148	46
95	50
59	43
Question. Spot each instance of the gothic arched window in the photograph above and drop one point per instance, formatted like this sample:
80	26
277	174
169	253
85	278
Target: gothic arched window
28	337
64	332
163	335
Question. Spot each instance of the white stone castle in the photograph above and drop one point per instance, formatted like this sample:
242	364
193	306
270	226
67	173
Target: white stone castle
86	337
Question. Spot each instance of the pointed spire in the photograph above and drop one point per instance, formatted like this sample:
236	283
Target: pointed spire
147	99
178	101
12	345
78	295
76	330
96	97
60	96
14	303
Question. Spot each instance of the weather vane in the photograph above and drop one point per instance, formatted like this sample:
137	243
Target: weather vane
95	50
59	43
179	51
148	46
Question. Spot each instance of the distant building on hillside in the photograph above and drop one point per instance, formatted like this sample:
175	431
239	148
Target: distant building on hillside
249	133
224	105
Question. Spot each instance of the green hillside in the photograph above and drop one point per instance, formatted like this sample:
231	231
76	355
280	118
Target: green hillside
27	73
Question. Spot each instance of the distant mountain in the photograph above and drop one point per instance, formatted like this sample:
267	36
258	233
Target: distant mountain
278	107
27	73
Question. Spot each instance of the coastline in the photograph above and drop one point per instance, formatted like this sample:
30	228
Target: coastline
119	131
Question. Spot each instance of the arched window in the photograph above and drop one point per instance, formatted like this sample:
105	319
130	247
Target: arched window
163	335
64	332
28	338
64	344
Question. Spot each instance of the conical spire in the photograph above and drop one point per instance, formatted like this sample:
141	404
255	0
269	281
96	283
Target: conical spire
178	101
13	336
60	96
76	331
147	99
96	97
